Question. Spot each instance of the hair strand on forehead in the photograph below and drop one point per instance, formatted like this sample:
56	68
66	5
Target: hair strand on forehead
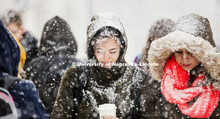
103	34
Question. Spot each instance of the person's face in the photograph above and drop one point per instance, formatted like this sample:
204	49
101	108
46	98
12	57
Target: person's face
185	59
16	30
107	52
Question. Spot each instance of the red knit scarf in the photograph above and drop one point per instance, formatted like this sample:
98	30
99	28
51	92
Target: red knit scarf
174	88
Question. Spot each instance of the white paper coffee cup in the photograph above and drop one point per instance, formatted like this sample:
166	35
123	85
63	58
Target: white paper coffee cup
107	109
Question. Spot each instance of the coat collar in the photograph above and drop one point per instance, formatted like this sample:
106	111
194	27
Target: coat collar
106	77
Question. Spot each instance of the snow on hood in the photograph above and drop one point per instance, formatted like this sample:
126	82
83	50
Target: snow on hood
99	21
193	33
201	49
195	25
57	38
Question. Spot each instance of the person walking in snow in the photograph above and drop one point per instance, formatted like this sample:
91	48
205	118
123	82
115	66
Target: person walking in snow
84	88
58	48
23	92
188	67
158	29
14	23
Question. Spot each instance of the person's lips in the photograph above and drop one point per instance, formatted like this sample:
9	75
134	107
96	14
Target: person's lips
186	65
106	63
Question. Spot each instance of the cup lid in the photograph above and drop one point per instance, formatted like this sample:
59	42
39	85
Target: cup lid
107	106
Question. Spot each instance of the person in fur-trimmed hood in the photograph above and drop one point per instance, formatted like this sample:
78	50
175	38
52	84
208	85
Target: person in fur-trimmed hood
84	88
188	67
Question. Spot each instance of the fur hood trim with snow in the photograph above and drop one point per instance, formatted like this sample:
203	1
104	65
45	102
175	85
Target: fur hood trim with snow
201	49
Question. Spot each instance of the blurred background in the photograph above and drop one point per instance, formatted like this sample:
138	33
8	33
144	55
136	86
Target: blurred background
136	15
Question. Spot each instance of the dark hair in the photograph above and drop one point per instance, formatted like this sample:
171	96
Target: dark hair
11	16
107	32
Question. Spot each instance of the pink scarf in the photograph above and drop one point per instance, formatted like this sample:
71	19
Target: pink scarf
174	88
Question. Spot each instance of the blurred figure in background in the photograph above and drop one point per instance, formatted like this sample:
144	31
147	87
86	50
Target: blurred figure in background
158	29
23	92
21	72
13	22
7	106
58	48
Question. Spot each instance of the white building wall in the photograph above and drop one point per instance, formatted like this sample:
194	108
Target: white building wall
136	15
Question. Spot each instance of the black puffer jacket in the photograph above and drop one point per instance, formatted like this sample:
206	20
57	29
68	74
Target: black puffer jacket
29	42
57	52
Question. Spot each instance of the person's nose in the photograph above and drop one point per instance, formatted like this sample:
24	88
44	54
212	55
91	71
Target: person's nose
185	58
106	57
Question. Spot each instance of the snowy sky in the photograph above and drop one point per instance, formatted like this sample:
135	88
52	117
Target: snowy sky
136	15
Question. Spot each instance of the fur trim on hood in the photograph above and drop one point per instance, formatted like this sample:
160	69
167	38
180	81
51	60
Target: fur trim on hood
193	33
201	49
100	21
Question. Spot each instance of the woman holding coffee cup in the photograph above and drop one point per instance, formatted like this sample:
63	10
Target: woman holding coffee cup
105	78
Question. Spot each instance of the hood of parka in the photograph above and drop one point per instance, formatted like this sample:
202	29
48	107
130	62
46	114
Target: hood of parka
57	38
195	25
103	20
159	29
9	53
193	33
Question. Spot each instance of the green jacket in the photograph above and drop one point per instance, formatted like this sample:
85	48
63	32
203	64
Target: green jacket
98	87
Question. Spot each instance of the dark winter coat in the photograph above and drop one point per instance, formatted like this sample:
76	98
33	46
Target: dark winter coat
193	33
157	107
154	100
83	89
23	92
26	98
57	53
29	42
